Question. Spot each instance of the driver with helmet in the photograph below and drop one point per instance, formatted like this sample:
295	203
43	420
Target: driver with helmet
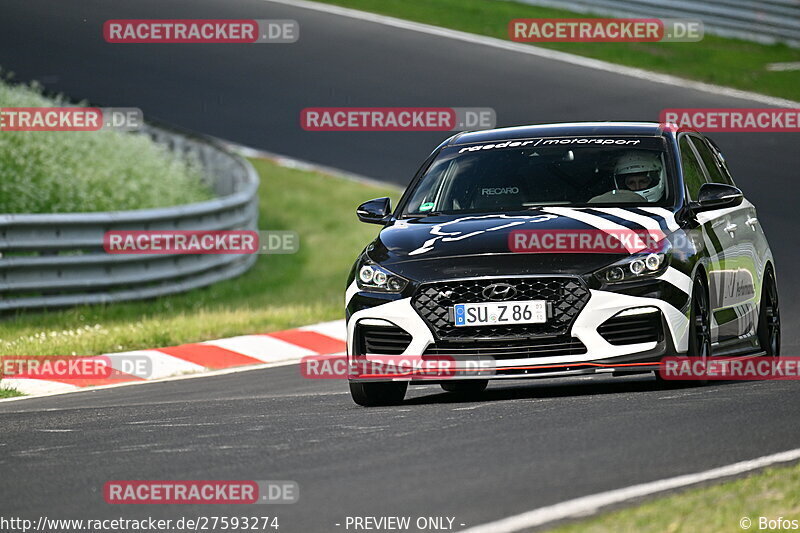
637	172
640	172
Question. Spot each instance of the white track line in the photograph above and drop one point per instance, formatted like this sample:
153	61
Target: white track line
591	504
564	57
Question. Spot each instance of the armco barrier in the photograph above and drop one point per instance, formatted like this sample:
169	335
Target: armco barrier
55	260
764	21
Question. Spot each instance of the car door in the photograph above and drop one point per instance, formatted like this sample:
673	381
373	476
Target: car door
694	176
730	246
748	255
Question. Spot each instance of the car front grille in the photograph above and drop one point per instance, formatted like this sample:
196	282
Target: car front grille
501	350
634	329
566	297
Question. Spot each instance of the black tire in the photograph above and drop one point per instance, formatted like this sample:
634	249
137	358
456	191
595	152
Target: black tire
699	332
769	317
466	387
375	394
700	322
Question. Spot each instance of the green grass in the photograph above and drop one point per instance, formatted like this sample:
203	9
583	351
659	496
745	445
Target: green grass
279	292
729	62
9	393
61	172
772	493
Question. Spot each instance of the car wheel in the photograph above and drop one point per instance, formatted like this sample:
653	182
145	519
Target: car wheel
700	322
699	332
374	394
769	317
467	387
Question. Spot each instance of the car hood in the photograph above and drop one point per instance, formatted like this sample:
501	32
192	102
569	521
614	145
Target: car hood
475	245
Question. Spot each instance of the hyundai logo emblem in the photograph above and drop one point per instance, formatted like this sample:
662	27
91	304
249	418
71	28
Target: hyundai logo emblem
499	291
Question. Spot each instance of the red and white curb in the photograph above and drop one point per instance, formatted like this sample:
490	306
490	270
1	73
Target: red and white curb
280	347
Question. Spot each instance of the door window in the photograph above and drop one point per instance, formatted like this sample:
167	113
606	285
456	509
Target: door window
693	174
711	162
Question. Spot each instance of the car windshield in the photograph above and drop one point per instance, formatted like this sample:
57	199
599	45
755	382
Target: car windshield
521	174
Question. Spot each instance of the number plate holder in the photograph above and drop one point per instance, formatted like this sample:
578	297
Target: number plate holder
500	313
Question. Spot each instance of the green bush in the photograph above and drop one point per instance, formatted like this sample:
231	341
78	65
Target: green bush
62	172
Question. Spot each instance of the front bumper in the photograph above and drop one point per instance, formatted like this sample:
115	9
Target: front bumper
597	355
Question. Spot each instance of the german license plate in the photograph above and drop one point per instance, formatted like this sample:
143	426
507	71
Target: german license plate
493	313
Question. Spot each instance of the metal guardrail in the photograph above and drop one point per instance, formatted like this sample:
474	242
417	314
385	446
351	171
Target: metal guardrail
55	260
765	21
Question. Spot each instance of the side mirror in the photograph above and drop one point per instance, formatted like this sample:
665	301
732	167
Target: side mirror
375	211
717	196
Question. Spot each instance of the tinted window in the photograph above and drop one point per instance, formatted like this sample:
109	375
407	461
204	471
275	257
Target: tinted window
710	161
723	165
693	175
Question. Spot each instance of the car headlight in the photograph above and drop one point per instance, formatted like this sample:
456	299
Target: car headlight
371	277
636	266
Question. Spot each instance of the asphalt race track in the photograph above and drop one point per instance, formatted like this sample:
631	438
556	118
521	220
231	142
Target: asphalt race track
527	445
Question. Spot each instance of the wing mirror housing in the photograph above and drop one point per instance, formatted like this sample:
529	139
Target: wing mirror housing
377	211
717	196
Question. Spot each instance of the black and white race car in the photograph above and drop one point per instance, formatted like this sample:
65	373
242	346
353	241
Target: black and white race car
563	249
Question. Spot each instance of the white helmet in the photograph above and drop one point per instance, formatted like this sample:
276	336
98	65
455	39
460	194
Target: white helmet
640	162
